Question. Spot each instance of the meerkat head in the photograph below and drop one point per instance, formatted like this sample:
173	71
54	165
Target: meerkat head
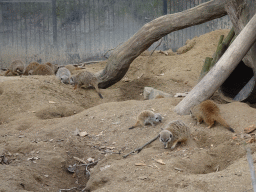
165	137
72	80
65	80
158	118
19	71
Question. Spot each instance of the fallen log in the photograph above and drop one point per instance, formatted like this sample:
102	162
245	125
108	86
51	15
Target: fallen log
222	69
119	61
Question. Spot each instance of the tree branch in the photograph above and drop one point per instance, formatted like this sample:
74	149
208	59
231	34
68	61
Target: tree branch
121	58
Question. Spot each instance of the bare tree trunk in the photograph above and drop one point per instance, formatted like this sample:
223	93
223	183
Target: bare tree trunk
121	58
240	12
222	69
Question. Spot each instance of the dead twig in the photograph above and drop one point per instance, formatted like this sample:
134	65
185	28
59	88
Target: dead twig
250	162
157	46
140	148
80	160
67	189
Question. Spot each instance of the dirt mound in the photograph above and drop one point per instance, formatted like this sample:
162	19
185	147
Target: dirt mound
58	111
40	118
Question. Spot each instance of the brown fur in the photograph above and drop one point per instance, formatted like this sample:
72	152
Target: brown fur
209	112
43	69
147	117
16	68
54	67
32	66
86	79
174	132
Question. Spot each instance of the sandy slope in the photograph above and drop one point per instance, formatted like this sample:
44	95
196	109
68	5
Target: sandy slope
38	118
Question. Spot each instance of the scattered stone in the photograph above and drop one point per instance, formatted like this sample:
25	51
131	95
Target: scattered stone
90	160
52	102
151	93
181	94
249	129
142	177
140	164
160	161
105	167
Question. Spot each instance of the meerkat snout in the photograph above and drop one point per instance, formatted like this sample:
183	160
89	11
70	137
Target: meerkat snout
158	118
165	137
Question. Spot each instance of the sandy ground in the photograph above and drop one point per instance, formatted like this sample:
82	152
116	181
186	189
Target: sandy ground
40	119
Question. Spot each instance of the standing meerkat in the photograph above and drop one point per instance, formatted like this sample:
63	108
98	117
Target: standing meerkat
174	132
147	117
209	112
42	69
16	68
32	66
63	74
86	79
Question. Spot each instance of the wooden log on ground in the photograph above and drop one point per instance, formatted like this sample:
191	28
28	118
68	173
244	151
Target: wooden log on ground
119	61
222	69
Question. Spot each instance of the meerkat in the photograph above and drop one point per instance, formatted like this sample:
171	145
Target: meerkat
63	74
16	68
174	132
208	112
86	79
42	69
73	69
147	117
32	66
54	67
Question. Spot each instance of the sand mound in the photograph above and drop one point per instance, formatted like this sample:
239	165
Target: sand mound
58	112
40	118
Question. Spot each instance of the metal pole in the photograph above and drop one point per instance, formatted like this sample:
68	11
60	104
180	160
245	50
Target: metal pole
54	22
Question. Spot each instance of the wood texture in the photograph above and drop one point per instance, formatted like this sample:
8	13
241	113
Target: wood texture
121	58
222	69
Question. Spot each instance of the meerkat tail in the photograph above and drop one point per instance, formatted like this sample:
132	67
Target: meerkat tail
98	91
230	129
6	73
224	123
136	125
100	95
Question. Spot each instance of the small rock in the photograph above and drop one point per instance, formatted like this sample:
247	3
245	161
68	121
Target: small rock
90	160
160	161
250	129
142	177
140	164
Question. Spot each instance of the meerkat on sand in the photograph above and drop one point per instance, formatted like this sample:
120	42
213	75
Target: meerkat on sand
16	68
174	132
208	112
86	79
42	69
63	74
54	67
147	117
32	66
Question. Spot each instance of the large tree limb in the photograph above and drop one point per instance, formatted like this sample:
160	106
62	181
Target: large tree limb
222	69
121	58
